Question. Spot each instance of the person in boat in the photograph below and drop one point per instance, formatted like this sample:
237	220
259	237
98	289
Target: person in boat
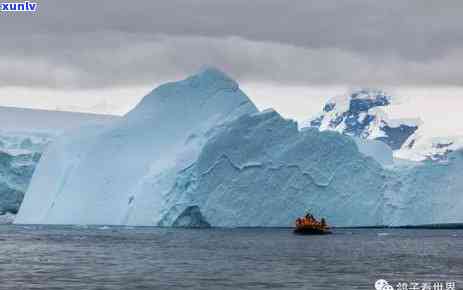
310	219
323	223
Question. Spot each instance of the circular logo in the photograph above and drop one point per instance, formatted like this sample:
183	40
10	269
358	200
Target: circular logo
381	284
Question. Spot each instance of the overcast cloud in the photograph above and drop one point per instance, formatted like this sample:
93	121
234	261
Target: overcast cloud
103	56
98	44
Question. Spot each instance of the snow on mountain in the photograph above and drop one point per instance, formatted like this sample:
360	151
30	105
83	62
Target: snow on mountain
361	114
419	148
198	153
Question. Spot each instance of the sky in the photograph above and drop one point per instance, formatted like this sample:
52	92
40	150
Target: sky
104	56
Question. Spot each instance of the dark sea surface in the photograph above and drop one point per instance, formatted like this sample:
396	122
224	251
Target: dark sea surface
52	257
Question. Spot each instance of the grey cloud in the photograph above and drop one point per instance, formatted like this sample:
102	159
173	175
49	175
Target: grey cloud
117	43
416	28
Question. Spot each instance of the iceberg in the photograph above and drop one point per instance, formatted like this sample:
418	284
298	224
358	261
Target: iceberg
24	135
377	150
101	174
198	153
260	170
427	193
19	155
24	120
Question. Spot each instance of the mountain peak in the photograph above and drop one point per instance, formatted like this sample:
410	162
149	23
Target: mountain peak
360	114
358	101
370	93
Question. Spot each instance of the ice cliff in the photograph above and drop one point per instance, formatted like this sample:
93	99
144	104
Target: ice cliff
24	136
120	174
259	170
430	193
198	153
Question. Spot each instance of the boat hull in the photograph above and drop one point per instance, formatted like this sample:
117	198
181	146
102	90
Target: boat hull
311	231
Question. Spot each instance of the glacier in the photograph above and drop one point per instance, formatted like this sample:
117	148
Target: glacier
198	153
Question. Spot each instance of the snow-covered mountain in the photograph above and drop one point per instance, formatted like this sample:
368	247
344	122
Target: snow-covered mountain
361	114
198	152
436	149
24	136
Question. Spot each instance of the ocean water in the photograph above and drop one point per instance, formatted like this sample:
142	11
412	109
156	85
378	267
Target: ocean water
54	257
